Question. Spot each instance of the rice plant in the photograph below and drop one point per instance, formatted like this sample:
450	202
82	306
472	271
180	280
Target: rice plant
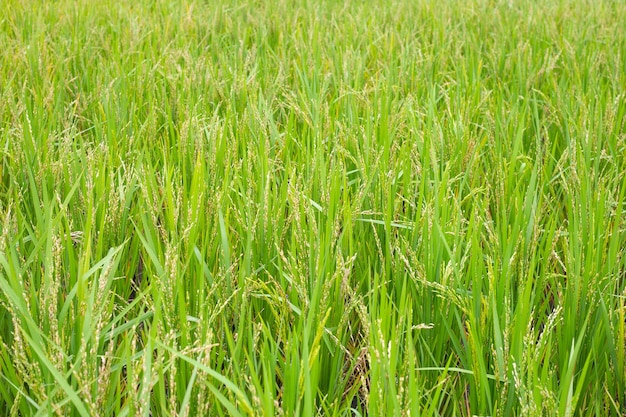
303	208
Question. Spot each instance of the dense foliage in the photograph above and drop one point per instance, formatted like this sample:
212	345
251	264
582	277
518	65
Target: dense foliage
298	208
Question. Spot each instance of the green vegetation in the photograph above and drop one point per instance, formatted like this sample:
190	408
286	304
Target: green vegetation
299	208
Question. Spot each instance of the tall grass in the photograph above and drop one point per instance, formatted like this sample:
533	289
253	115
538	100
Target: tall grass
312	208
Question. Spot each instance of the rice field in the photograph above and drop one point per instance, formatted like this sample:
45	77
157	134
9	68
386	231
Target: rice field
312	208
